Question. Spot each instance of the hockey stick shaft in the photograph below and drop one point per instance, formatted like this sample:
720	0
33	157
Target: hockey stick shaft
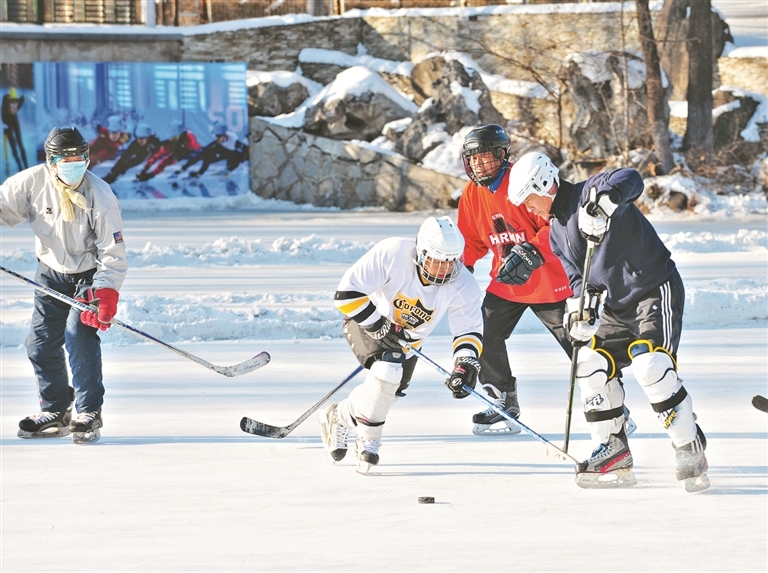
550	446
257	361
575	353
251	426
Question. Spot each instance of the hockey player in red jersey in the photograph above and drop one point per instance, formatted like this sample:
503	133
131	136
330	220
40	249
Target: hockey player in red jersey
109	141
524	272
400	290
181	145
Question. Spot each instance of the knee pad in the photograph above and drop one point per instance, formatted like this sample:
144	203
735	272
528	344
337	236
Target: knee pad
602	399
369	403
593	368
656	372
387	372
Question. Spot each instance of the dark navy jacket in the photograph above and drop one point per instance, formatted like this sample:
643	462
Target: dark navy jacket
630	261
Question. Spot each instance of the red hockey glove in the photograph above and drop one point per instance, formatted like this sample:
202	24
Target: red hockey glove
104	304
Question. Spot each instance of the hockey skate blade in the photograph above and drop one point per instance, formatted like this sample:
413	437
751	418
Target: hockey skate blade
608	480
47	433
363	468
697	484
82	438
508	429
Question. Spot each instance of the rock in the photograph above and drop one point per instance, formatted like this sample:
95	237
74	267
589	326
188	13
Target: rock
342	114
269	100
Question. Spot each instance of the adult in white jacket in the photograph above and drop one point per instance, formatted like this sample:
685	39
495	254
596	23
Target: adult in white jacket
79	244
399	290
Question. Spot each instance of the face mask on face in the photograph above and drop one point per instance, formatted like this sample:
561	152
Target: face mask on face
71	172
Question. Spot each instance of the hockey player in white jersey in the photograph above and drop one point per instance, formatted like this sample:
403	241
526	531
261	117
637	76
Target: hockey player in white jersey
399	291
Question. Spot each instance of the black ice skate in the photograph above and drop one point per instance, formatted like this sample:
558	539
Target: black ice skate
334	433
692	463
85	427
45	425
609	466
367	454
484	420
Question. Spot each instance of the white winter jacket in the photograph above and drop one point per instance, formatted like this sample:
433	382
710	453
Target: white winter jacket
93	240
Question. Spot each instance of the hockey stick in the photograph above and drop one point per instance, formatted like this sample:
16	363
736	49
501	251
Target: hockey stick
575	352
259	360
251	426
552	449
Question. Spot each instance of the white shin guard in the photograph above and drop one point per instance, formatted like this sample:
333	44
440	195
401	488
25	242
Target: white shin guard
655	372
368	404
602	399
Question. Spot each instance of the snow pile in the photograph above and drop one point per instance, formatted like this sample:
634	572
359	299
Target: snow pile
301	315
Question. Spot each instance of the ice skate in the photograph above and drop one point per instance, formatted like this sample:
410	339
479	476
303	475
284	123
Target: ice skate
610	465
629	424
334	433
692	464
367	454
85	427
483	421
45	425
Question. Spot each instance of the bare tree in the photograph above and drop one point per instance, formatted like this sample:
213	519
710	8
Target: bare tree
656	112
698	140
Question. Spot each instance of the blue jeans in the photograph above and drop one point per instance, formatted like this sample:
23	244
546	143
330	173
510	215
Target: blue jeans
56	325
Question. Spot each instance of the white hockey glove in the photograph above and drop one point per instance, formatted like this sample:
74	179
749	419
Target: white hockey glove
595	215
582	328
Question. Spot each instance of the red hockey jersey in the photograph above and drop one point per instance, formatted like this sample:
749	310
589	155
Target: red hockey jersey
489	221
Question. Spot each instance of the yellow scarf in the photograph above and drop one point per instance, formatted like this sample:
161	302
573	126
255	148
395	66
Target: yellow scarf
68	198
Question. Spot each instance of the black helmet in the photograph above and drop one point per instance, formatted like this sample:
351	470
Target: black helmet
481	139
65	142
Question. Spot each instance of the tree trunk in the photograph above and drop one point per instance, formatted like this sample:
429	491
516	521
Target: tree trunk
656	112
698	141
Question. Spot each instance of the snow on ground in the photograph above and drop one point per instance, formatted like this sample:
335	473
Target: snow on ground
174	485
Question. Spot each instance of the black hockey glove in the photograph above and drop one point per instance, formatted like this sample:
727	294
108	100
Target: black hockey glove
465	371
386	333
518	265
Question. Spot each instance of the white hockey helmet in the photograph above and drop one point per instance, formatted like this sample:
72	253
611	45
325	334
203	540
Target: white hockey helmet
532	173
439	250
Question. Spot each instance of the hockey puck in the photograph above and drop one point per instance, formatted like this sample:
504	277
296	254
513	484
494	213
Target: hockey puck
426	500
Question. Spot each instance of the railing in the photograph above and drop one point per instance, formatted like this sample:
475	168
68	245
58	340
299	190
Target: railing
70	11
193	12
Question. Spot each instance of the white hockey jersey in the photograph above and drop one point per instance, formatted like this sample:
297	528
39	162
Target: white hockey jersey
385	281
93	239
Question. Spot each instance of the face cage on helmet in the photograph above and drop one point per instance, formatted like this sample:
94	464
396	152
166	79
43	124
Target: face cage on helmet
477	179
448	269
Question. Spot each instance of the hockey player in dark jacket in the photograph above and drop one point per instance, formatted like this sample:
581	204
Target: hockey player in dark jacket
145	144
641	320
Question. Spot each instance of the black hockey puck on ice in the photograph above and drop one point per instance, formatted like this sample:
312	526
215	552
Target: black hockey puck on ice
426	500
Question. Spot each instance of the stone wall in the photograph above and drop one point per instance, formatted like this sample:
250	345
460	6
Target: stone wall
505	43
296	166
299	167
747	73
